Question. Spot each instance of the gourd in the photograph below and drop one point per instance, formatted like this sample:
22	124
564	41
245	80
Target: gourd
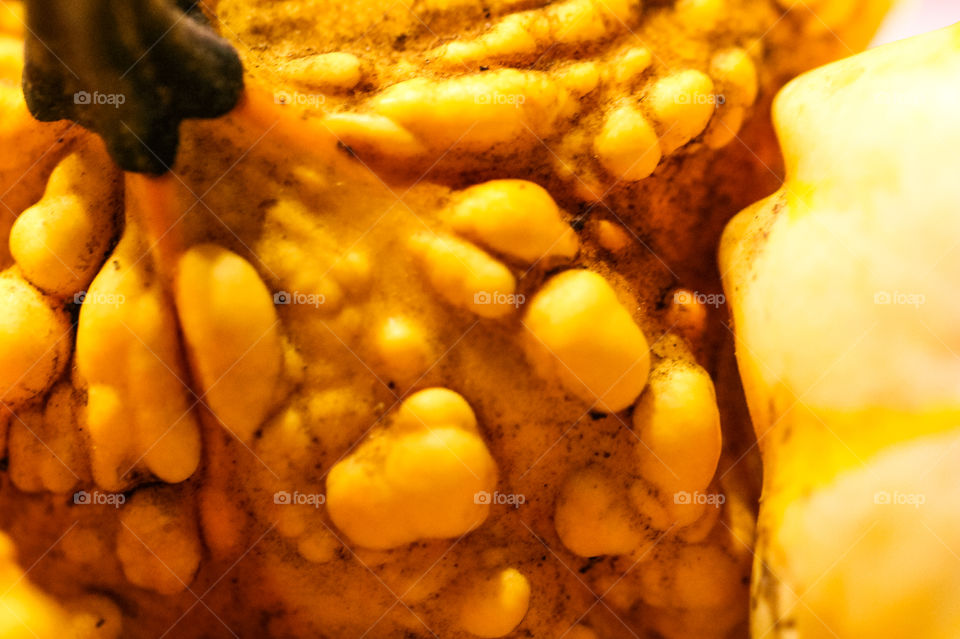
415	341
843	291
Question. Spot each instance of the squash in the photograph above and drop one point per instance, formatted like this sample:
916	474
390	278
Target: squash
422	339
843	292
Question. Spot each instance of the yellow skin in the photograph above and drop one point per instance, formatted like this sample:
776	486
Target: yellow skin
843	291
324	390
27	612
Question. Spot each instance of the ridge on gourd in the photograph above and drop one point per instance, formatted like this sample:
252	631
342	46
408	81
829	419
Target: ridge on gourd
395	296
856	405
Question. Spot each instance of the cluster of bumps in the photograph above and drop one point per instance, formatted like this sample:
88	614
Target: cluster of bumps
429	357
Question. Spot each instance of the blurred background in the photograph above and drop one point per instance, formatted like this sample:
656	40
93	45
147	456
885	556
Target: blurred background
911	17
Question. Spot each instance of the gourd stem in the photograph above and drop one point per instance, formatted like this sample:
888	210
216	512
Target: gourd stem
259	109
155	207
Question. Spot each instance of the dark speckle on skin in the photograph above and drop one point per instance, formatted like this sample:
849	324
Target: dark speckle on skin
347	149
591	562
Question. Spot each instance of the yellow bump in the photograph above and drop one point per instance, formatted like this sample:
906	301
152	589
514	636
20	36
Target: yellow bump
95	617
725	126
409	483
319	547
60	242
496	605
338	70
579	78
286	439
594	518
478	111
682	103
627	145
621	594
579	333
353	271
512	37
285	448
701	14
129	356
112	448
686	314
514	217
618	13
368	132
735	72
466	276
736	76
576	21
695	576
630	64
435	406
35	340
292	523
679	424
65	462
47	451
612	236
157	540
403	347
230	326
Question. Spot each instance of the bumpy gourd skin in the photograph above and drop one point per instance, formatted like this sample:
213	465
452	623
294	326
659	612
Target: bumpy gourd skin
843	290
616	106
324	392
